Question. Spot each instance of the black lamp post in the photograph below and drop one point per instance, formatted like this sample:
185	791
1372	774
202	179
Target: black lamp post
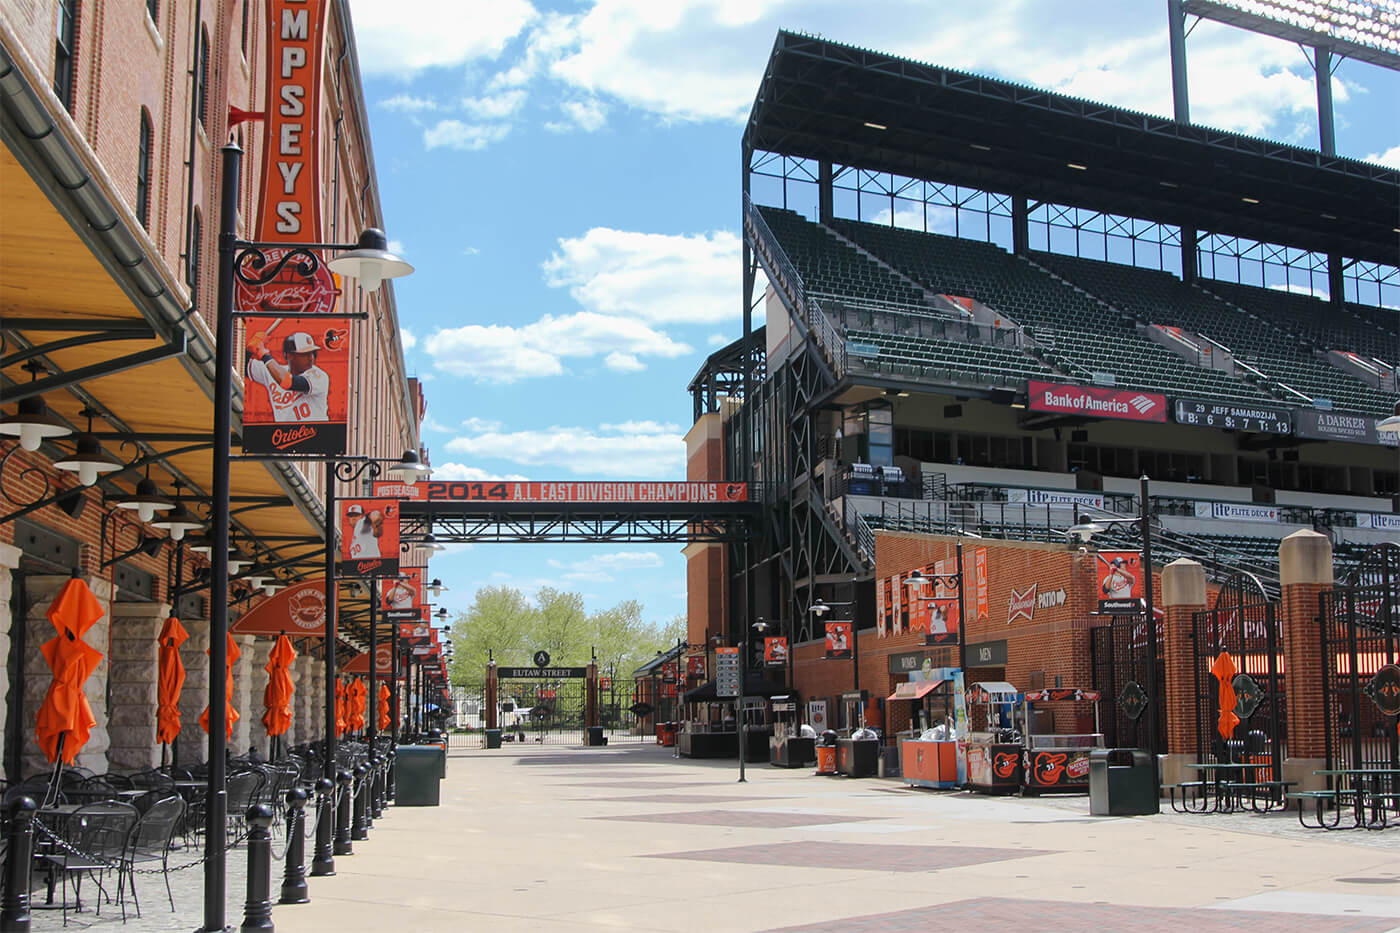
371	263
1142	525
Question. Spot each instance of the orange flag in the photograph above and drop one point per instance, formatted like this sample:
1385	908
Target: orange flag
170	680
1224	670
65	719
277	697
383	707
232	714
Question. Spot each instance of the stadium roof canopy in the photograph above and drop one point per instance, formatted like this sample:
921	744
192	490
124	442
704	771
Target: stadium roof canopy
850	106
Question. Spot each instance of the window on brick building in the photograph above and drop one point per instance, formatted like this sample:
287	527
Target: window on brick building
244	34
143	170
192	260
153	11
201	91
65	41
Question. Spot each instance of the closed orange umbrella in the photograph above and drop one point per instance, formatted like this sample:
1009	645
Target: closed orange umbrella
65	719
358	702
384	707
1224	670
277	697
340	720
229	711
170	680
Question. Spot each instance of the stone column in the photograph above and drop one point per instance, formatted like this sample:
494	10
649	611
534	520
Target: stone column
1183	593
40	593
9	560
257	684
135	675
249	709
193	742
289	738
315	700
1305	572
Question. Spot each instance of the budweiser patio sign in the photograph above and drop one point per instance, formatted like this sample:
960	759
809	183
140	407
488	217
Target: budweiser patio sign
1097	402
1021	604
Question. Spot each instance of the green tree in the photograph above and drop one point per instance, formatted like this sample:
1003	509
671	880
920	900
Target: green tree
499	620
560	626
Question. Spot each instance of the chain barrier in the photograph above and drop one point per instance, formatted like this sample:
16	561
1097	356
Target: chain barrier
108	864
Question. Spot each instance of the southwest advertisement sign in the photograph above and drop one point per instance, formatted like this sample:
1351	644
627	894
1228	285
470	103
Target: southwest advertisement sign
574	492
838	639
369	537
1096	401
295	368
1120	582
775	652
401	599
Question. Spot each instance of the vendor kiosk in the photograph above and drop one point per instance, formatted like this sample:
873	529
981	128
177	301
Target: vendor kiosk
788	747
929	756
994	744
1054	761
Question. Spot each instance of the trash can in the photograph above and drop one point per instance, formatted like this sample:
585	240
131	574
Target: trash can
493	738
418	775
596	737
1122	782
826	753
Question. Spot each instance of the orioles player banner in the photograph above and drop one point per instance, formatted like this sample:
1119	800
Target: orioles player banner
401	599
775	652
838	639
1120	582
369	537
295	368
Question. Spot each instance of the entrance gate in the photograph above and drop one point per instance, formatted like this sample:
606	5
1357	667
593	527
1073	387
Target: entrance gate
1118	651
548	706
1361	663
1238	639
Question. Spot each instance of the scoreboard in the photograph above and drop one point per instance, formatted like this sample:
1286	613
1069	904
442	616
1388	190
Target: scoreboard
1234	416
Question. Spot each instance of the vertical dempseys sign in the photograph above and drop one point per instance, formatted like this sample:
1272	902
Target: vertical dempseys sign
295	370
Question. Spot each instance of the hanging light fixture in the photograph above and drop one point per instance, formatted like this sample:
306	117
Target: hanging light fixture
146	501
442	614
431	543
257	580
89	460
33	423
178	521
236	563
370	261
409	469
436	588
271	587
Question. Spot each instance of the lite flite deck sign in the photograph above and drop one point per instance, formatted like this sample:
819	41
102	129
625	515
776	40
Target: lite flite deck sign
727	672
1234	417
568	492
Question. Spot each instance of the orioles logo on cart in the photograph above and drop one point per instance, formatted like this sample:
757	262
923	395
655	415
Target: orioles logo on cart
1050	766
1004	764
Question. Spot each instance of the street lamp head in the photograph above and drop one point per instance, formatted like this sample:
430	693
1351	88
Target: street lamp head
761	626
916	578
436	588
178	521
370	261
1083	530
89	460
819	608
146	501
409	469
33	423
430	542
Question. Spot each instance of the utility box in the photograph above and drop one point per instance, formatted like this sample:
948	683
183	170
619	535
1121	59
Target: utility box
596	736
419	770
1122	782
493	738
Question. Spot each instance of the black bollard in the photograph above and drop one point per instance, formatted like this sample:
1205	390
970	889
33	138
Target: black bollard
391	791
257	910
358	828
323	864
376	790
294	889
345	783
14	905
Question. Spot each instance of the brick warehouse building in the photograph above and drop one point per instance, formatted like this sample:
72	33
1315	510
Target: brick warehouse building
911	389
112	119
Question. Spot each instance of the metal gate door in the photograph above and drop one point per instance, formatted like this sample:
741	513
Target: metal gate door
1119	657
543	711
1237	640
1361	664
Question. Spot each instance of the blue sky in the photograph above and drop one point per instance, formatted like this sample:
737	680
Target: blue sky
565	177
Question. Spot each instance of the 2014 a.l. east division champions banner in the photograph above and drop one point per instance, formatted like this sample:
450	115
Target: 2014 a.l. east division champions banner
369	537
294	367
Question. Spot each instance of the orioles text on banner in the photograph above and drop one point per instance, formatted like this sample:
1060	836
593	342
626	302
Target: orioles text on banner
369	537
295	398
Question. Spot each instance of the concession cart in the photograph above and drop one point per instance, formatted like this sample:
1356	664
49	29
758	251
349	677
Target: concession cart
1054	761
790	745
994	742
928	752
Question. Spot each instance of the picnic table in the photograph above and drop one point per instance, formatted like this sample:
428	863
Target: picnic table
1227	786
1362	788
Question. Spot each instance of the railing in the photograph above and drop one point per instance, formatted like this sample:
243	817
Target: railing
780	265
860	530
828	336
904	320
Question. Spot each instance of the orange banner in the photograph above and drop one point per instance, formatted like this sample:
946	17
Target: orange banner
298	611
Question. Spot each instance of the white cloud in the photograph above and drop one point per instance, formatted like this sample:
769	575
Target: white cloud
601	451
460	472
601	567
642	427
589	114
432	424
408	103
398	39
480	424
716	340
623	363
407	338
470	251
1390	157
501	353
656	277
494	106
471	137
396	247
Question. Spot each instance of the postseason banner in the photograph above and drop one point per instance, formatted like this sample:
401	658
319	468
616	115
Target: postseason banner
369	537
295	368
838	639
1121	589
402	598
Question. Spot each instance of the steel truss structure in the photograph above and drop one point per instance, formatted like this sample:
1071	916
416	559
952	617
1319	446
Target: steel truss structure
579	523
